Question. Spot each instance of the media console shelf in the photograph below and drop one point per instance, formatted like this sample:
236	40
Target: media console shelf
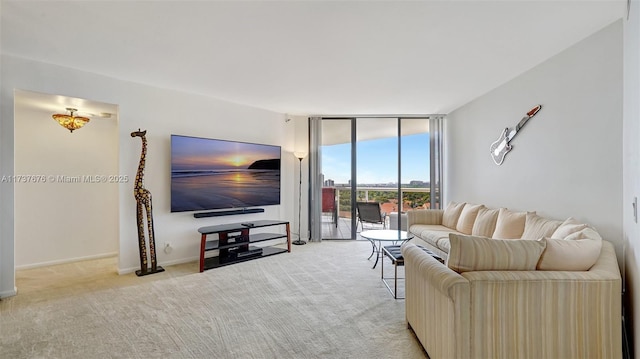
234	243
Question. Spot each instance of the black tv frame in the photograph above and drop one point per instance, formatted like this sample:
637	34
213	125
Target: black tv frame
214	211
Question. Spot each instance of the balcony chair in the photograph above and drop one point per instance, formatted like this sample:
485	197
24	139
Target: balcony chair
370	212
329	204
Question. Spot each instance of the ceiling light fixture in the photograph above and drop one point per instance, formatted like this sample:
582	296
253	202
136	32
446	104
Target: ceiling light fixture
70	122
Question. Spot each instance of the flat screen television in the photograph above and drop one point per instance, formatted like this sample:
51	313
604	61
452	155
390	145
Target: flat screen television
210	174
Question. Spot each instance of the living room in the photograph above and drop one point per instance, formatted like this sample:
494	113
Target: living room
578	157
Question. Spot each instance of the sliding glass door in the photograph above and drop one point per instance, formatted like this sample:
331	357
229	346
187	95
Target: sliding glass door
377	169
393	162
336	179
415	172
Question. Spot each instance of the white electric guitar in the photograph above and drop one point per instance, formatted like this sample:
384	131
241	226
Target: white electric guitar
502	146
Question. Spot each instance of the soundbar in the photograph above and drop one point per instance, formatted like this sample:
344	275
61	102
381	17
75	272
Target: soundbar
228	212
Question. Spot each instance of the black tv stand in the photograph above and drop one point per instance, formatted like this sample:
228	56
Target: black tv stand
234	243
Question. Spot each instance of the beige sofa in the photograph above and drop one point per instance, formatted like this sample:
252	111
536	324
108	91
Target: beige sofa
547	296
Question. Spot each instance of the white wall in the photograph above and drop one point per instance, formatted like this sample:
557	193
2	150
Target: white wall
631	158
7	276
567	161
161	112
61	216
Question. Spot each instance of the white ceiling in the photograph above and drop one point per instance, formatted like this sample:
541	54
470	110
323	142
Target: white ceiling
307	57
51	104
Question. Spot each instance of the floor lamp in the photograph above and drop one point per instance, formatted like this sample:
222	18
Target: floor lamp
300	156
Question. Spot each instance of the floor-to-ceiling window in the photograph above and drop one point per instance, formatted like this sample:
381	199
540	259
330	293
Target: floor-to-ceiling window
415	172
336	163
377	168
387	160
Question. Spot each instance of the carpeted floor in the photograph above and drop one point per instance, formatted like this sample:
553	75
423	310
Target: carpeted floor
323	300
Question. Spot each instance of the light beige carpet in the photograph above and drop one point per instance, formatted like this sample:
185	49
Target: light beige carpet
323	300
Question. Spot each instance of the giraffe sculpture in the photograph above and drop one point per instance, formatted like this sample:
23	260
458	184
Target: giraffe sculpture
143	203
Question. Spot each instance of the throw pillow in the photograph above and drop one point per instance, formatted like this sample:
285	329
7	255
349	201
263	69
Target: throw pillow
485	223
577	252
509	225
586	233
468	217
536	227
470	253
451	214
569	226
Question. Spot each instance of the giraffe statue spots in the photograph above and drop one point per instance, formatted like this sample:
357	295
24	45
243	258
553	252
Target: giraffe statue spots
143	206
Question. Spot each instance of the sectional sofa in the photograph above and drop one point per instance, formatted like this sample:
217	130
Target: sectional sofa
513	285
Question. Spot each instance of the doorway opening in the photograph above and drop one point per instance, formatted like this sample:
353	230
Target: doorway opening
66	208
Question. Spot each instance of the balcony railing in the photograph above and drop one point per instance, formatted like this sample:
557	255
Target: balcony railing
412	197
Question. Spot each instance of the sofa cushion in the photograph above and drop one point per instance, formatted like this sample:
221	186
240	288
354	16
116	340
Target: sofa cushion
510	225
431	233
444	244
536	227
569	226
577	252
471	253
468	217
419	228
451	214
485	223
432	237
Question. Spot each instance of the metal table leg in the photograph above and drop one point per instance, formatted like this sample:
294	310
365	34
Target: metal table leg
378	252
373	249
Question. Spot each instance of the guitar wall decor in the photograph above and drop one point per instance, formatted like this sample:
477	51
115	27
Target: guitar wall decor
502	145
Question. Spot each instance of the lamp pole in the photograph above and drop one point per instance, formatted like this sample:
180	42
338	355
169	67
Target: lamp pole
299	241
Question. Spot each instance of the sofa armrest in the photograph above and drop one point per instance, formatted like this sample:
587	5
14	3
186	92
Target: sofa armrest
436	304
429	269
424	216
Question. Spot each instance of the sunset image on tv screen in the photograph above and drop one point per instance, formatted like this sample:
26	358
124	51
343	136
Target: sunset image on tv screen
216	174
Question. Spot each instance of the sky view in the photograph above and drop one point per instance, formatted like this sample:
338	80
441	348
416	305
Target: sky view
377	160
193	153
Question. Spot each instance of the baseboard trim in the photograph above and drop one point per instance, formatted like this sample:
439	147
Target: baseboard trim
122	271
64	261
9	293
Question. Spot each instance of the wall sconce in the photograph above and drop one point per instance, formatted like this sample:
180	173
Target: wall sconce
70	122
